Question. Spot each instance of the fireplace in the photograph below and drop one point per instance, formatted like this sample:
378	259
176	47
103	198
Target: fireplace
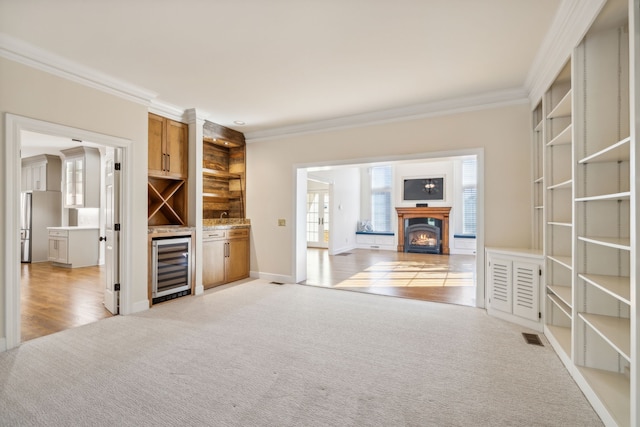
422	236
438	218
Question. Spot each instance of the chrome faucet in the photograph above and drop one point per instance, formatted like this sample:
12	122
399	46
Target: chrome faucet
223	214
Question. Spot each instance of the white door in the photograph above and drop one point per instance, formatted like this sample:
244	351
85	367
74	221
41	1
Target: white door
112	234
318	219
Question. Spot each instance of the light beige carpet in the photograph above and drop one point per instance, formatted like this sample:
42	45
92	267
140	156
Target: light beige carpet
259	354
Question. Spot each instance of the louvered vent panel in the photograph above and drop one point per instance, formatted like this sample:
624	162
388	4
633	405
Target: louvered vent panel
526	290
501	284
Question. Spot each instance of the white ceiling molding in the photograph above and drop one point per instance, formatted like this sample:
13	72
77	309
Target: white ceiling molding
27	54
573	19
432	109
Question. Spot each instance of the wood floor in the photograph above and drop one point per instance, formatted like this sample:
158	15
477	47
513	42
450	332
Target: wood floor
54	298
439	278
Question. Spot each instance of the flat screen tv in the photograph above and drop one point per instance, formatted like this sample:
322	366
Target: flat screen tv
423	189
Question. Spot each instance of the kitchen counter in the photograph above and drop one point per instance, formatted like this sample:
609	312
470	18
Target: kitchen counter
74	227
157	229
225	223
73	247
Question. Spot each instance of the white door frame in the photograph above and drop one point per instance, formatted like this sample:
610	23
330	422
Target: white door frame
299	235
14	125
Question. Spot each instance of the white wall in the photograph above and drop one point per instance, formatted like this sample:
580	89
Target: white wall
502	133
38	95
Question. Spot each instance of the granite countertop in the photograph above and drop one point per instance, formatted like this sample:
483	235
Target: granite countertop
170	229
225	223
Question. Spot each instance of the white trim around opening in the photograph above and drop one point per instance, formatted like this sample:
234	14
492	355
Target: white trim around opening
14	125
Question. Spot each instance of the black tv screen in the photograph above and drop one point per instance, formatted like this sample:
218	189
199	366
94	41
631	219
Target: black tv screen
423	189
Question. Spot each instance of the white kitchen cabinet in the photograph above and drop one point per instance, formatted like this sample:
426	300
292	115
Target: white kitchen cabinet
73	247
41	173
513	279
81	177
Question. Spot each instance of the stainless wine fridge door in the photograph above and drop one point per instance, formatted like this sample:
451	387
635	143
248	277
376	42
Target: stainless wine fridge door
171	263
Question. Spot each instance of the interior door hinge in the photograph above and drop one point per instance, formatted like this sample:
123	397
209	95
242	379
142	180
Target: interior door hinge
116	227
539	315
539	272
116	286
117	166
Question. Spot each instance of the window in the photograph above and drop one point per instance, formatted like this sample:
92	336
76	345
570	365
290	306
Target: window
469	196
381	177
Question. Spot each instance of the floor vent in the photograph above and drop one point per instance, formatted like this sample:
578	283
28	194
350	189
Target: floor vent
532	339
276	283
343	254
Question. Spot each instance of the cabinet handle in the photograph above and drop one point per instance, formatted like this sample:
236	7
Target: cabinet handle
168	162
164	162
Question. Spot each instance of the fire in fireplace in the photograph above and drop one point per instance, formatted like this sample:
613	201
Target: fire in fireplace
422	235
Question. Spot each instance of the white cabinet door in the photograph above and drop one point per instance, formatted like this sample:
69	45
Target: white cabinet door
526	294
501	284
58	250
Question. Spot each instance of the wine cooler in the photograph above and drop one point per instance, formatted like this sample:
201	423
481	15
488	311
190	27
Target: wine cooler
171	268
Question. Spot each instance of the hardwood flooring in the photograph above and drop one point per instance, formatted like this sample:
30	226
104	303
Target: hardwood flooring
55	298
439	278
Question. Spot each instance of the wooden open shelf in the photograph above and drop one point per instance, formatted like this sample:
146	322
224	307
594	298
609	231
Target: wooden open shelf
223	172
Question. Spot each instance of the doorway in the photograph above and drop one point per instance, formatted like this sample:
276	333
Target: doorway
301	273
16	126
318	223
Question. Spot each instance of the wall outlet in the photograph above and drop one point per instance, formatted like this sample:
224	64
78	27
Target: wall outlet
282	222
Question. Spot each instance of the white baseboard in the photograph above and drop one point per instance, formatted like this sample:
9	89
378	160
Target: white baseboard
272	277
536	326
140	306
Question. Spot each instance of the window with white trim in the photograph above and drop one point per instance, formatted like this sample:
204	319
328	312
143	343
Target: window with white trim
469	196
381	185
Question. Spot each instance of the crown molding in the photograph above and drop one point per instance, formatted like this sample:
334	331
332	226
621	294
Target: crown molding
570	24
34	57
419	111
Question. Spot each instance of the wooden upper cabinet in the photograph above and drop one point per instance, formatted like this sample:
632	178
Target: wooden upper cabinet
177	149
168	148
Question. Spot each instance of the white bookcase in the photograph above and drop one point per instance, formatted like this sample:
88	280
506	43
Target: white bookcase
590	208
558	211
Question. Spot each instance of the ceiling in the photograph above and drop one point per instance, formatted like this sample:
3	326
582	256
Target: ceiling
282	63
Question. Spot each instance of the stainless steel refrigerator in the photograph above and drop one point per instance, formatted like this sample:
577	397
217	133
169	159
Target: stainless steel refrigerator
38	210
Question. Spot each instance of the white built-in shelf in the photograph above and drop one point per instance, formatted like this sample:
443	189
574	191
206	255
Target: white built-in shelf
618	152
538	127
563	336
563	109
563	292
611	242
625	195
561	185
614	330
617	286
560	224
538	207
560	304
564	261
563	138
614	391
